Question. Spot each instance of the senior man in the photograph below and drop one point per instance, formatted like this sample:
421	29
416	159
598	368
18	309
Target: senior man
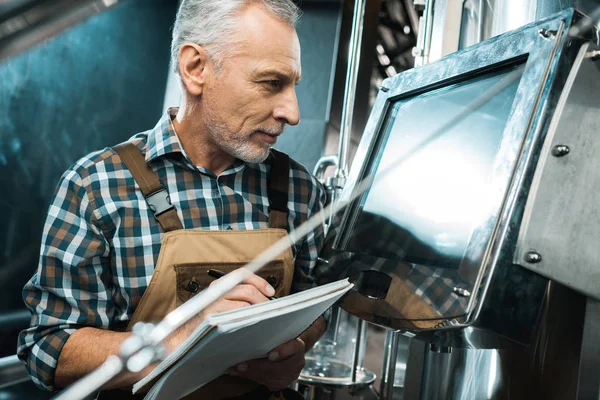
132	230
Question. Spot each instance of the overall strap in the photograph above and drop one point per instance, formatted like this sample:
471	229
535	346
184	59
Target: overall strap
278	183
154	192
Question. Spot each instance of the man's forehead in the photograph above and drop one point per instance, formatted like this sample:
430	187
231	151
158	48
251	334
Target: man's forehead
270	43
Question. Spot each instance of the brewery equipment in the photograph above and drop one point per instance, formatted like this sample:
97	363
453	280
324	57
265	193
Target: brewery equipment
477	233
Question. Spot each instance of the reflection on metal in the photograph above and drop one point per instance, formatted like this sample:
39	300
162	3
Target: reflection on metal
589	381
476	374
564	197
24	24
336	360
12	371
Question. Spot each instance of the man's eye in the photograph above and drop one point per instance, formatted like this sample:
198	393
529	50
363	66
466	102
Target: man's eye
275	84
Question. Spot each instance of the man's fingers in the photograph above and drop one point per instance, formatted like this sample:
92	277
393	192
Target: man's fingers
274	375
286	350
256	281
247	293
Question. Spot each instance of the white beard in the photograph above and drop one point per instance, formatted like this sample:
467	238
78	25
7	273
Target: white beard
241	147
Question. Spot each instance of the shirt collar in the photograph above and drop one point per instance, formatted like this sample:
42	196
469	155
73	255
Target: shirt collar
163	138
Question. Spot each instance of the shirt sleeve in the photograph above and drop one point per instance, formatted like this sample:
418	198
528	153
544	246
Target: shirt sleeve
71	286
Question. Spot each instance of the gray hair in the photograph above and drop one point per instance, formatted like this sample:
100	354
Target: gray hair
209	23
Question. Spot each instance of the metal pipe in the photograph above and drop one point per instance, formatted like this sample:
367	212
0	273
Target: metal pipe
323	163
481	22
428	30
12	371
389	365
361	327
15	320
358	21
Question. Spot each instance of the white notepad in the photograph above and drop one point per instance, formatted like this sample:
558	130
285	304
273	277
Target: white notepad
227	339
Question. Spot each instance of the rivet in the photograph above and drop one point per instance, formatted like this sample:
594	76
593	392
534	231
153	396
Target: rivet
193	286
546	34
533	257
461	292
560	150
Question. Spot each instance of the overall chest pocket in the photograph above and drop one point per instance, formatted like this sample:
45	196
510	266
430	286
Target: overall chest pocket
193	277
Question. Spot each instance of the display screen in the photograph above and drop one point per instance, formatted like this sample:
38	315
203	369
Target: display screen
434	172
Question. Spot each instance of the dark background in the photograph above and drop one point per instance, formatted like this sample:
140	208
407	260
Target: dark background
90	87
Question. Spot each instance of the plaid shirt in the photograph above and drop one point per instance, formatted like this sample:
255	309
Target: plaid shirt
101	242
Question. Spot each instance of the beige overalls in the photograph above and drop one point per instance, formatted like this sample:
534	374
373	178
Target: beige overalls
186	256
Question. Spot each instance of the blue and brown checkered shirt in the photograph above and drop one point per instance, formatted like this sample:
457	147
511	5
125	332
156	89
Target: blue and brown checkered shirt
101	242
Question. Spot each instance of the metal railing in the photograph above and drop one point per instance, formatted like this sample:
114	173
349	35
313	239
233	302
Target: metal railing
12	371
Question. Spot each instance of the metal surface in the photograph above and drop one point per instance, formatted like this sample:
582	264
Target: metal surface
465	374
514	160
589	372
338	375
323	163
445	32
359	349
12	371
30	23
329	364
561	221
350	88
463	23
421	50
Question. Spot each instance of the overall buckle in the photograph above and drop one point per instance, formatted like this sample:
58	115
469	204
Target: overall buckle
159	202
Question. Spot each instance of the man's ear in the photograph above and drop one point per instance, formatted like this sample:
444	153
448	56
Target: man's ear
193	63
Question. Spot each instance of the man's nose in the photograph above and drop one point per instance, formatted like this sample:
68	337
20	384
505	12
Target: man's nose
287	110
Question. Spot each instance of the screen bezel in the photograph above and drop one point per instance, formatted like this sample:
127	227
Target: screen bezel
372	164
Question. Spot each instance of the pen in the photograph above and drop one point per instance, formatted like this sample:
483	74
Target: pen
215	273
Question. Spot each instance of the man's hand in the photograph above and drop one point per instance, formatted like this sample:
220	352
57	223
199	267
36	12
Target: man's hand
282	366
284	363
252	290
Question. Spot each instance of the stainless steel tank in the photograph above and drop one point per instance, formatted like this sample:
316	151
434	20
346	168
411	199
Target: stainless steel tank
455	24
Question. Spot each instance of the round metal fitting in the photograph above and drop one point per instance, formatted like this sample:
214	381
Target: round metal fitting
193	286
272	280
560	150
437	348
461	292
532	257
546	34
